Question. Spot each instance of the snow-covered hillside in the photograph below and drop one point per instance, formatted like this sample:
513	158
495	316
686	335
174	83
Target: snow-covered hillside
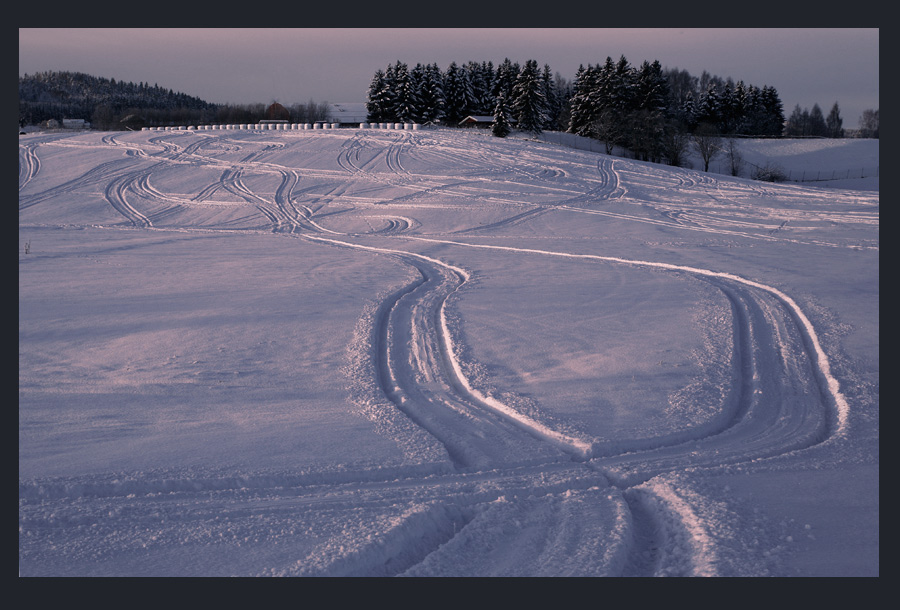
372	352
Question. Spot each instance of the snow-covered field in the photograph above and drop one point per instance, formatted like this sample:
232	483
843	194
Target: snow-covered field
365	352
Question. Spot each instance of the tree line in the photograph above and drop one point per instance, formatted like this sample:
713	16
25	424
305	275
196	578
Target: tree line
804	122
651	111
115	105
103	101
647	109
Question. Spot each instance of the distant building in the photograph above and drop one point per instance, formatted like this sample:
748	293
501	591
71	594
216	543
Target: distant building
347	114
75	124
477	120
277	112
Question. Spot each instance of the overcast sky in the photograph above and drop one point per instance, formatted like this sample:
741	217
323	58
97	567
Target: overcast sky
241	66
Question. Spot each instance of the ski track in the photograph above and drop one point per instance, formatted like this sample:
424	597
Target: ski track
29	163
613	513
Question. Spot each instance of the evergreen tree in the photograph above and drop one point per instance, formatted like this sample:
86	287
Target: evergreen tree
529	105
431	94
486	96
652	88
621	87
740	100
552	99
501	127
405	102
746	99
580	102
817	126
457	92
480	102
417	82
728	115
379	100
505	80
564	92
834	122
796	124
470	103
602	81
689	112
773	110
708	106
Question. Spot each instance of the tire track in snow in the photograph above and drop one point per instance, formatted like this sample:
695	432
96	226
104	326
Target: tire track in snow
512	220
786	400
420	373
101	174
670	538
751	289
115	194
279	219
29	163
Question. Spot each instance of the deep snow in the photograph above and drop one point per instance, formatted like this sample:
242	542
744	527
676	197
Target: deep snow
376	352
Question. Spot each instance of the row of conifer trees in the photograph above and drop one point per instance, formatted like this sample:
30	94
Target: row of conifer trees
637	107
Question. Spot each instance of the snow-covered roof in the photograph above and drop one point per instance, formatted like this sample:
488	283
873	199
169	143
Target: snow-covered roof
479	118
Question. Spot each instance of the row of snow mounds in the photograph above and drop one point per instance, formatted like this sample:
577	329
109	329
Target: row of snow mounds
282	126
389	125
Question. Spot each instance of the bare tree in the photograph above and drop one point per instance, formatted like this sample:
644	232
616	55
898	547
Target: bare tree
675	144
868	124
609	127
707	143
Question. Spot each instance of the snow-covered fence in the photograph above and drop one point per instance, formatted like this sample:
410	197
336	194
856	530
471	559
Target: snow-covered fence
835	174
805	175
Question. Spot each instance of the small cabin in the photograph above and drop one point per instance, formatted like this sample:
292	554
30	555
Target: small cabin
477	120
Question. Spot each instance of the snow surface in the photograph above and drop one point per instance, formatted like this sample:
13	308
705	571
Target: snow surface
364	352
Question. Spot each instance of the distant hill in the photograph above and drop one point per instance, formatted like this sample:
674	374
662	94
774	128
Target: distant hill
103	101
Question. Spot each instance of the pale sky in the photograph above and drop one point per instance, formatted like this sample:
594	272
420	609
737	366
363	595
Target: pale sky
251	65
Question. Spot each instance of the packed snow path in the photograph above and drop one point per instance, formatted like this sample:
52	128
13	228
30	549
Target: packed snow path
518	493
